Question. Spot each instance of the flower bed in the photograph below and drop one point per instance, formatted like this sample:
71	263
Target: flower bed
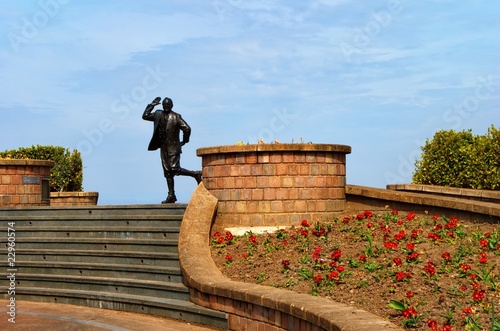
427	273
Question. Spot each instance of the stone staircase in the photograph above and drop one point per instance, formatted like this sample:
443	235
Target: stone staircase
113	257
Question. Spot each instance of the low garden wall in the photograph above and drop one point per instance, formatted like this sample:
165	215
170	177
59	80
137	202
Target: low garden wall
269	184
25	182
456	203
73	198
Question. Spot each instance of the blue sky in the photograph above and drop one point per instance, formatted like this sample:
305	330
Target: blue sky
381	76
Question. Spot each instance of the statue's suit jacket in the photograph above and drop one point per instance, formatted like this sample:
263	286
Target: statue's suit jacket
175	124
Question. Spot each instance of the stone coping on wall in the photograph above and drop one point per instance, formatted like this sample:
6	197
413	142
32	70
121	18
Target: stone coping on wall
255	304
449	191
273	147
425	199
26	162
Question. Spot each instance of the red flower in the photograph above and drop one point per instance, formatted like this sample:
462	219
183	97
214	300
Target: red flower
220	240
446	256
464	267
409	294
487	235
434	236
430	269
447	327
252	239
304	233
466	311
394	212
483	258
360	217
410	216
340	268
483	243
216	235
285	263
401	276
317	253
391	244
432	324
305	223
463	288
410	246
478	295
409	312
245	256
412	257
398	261
400	235
318	278
362	257
346	220
333	275
229	236
369	225
368	214
336	254
229	258
414	233
435	217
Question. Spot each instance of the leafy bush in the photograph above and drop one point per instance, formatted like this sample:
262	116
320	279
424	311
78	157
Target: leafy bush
460	159
65	175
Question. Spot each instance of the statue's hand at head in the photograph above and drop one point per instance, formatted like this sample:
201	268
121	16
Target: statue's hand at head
156	101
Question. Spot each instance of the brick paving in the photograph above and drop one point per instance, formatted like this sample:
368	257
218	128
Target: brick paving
35	316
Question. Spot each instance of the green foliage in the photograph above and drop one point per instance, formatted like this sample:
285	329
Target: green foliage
460	159
66	174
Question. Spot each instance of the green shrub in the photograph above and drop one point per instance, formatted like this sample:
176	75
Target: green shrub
66	174
460	159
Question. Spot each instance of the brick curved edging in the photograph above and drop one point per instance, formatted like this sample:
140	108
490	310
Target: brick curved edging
252	306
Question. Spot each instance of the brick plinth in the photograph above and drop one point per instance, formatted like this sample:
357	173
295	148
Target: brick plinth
275	184
21	182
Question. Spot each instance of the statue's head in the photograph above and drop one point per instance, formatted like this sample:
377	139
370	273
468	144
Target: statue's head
167	104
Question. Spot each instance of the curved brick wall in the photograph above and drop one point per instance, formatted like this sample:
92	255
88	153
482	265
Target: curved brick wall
275	184
21	182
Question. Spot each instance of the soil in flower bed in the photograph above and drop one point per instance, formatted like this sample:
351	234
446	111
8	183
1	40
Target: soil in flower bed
424	273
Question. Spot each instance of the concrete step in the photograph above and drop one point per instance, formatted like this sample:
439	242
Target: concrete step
96	211
148	288
181	310
137	232
145	272
115	257
99	244
125	221
104	256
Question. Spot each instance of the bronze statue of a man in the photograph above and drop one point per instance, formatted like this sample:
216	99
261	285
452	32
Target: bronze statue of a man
167	127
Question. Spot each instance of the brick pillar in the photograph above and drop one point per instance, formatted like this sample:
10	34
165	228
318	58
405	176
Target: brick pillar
275	184
22	181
